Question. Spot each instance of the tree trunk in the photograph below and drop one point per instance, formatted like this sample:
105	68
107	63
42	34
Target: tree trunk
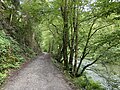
64	11
75	26
72	39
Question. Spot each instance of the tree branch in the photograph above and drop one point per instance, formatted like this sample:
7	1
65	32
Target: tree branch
84	68
84	51
99	29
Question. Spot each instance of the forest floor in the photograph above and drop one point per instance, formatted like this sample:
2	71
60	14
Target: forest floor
39	74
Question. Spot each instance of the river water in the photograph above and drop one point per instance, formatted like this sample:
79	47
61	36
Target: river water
107	75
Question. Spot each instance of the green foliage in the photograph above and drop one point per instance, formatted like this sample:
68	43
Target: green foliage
2	78
11	55
87	83
106	7
36	24
8	55
19	40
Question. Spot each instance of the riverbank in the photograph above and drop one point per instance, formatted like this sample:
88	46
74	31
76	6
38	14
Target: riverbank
108	75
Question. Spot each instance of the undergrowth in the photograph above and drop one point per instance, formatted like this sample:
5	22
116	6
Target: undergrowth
84	83
87	83
12	55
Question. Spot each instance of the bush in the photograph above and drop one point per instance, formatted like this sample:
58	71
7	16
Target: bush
87	83
12	55
9	55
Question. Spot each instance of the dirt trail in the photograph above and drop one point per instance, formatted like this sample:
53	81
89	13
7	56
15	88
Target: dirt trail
40	74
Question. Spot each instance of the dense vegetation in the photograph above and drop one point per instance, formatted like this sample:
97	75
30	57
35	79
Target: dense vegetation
71	30
17	40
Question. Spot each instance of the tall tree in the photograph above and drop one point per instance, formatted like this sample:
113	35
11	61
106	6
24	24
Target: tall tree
64	12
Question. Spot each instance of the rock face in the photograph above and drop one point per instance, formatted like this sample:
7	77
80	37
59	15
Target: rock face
40	74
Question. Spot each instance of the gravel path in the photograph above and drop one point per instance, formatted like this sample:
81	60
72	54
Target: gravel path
40	74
